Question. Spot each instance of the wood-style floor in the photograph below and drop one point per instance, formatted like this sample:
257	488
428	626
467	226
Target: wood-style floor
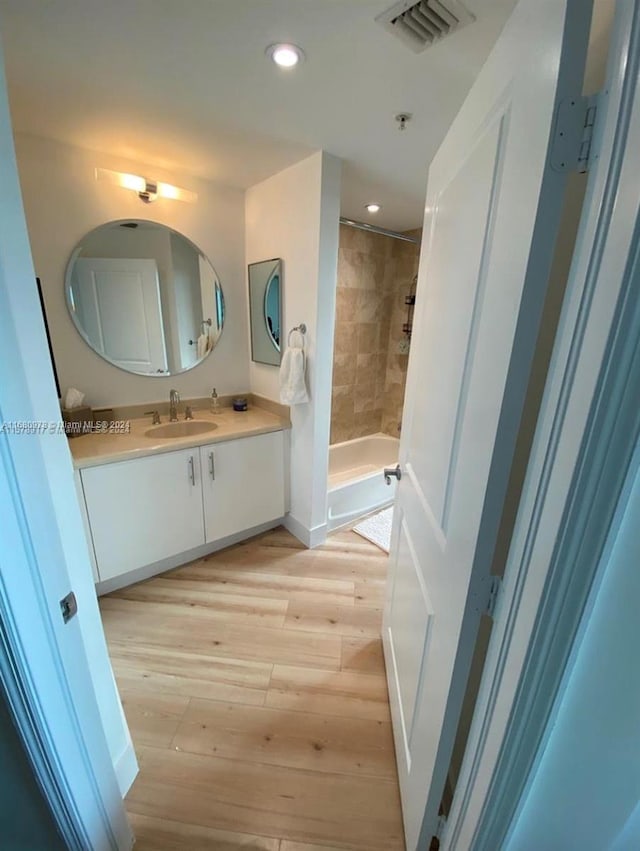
253	683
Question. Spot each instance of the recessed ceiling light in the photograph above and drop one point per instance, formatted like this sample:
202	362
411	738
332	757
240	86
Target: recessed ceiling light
373	208
285	55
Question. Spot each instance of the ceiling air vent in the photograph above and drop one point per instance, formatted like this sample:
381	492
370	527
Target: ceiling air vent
426	22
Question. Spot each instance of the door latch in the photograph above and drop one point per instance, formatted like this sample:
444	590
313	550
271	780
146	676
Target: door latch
68	606
392	471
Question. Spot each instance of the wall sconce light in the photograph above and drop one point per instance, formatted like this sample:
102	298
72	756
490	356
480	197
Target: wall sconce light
148	190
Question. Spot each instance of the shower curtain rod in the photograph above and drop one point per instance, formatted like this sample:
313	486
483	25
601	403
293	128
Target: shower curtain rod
352	223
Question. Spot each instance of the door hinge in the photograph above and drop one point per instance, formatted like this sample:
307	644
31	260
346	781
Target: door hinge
572	147
494	593
440	825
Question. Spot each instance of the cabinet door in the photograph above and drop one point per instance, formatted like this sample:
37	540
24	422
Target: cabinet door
85	522
242	483
144	510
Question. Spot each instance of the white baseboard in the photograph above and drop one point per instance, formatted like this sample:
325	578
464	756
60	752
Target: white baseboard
309	537
178	560
126	768
317	535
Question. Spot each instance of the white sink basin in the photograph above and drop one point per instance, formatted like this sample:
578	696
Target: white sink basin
184	428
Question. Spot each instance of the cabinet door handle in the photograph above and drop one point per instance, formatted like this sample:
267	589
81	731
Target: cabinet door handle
192	470
212	466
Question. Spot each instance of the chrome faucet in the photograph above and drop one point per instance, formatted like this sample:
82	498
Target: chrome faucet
174	398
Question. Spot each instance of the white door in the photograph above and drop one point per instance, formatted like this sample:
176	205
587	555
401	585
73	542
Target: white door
144	510
56	675
492	210
119	302
242	484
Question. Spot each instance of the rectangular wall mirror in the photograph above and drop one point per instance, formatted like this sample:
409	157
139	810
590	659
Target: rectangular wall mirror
265	303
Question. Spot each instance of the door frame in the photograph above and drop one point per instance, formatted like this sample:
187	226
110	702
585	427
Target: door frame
44	669
44	662
588	426
41	701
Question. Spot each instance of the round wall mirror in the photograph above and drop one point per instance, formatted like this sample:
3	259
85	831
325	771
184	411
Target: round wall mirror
144	298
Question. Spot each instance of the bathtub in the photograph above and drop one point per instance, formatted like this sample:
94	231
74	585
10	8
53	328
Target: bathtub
356	484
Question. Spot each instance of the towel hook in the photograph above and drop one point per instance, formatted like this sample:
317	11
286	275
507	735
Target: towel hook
301	328
203	324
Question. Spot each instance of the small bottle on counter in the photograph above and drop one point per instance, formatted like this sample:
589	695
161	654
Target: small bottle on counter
215	406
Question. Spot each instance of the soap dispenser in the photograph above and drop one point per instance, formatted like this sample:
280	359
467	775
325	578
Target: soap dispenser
215	402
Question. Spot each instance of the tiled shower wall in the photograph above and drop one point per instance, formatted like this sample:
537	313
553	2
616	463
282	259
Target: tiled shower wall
404	268
374	275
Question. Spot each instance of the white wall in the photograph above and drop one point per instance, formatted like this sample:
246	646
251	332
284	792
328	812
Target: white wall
294	215
63	201
585	793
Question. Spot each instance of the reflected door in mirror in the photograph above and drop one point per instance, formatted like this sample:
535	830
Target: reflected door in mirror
106	291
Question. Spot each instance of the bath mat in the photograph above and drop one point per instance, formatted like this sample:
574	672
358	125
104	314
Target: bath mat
377	528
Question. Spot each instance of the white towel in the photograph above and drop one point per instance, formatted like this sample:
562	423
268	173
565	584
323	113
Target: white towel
202	345
293	389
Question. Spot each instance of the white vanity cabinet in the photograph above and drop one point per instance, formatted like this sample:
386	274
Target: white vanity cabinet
150	510
242	484
144	510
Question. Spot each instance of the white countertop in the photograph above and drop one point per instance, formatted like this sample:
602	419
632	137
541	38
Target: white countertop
91	450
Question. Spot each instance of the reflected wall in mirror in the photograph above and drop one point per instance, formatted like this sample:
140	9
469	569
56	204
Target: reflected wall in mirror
144	298
265	302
